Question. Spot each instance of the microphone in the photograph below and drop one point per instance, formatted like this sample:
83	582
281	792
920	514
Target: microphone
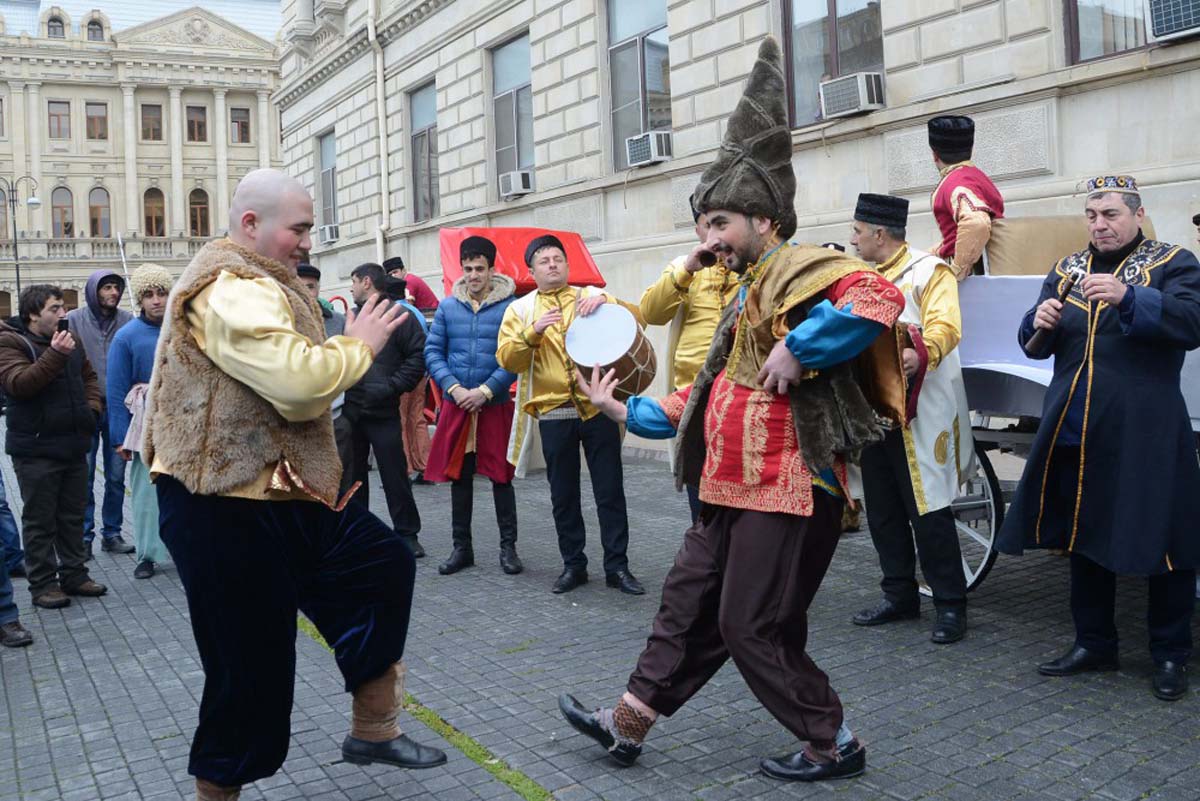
1035	343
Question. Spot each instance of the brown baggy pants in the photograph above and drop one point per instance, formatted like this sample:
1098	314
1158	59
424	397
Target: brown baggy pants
741	587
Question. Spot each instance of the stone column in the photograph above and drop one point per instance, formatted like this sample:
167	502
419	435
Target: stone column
33	127
178	211
16	122
221	220
304	11
264	128
133	222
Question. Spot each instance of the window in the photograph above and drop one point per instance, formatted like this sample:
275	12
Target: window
95	31
1098	28
423	106
62	218
197	124
828	39
327	152
55	28
239	126
99	216
198	212
97	120
60	119
639	71
513	104
156	212
152	126
3	215
1	116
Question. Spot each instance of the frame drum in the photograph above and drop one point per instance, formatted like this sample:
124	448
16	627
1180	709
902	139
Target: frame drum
611	338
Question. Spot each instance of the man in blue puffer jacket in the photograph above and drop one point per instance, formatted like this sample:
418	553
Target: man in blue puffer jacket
473	427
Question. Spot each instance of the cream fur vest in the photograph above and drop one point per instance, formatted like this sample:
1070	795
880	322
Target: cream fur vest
213	432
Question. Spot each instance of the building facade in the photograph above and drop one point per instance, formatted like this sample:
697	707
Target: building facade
401	115
135	129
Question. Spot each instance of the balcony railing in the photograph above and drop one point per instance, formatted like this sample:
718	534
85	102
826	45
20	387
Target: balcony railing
102	249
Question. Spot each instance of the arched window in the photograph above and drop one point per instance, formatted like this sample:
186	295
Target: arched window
95	31
3	215
55	28
99	214
156	212
61	214
198	212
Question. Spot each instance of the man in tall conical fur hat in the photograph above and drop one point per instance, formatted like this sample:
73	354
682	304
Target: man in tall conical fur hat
765	432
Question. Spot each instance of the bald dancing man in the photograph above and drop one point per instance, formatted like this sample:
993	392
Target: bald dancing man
240	442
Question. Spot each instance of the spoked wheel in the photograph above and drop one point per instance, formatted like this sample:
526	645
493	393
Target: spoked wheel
978	514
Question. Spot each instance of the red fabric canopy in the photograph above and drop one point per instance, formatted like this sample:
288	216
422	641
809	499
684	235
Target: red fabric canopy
510	255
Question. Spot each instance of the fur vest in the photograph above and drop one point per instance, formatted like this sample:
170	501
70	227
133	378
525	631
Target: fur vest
213	432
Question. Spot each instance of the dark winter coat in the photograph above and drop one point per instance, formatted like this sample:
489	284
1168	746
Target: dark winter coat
397	369
461	348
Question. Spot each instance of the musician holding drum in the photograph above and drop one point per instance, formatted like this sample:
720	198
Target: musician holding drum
532	344
690	296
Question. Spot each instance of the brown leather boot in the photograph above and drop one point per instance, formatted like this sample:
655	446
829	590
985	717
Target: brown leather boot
207	791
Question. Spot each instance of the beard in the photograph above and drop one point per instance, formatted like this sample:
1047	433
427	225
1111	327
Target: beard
740	258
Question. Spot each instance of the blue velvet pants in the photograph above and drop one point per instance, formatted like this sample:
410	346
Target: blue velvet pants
247	568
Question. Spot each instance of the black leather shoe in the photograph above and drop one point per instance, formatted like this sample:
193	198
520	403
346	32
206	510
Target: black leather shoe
510	563
797	767
14	635
401	752
1078	660
459	558
951	626
419	478
887	611
569	580
414	545
1170	681
624	581
144	569
587	722
116	544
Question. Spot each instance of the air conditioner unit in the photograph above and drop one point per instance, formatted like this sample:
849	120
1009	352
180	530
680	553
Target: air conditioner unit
852	94
650	147
1172	19
515	183
327	234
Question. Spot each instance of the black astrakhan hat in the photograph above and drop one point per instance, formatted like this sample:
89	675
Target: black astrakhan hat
477	245
306	270
1196	219
951	133
394	263
544	241
886	210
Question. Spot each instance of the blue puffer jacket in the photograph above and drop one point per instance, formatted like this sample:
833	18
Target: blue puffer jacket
461	346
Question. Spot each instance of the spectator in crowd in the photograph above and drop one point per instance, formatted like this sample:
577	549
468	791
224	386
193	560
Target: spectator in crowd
335	325
54	403
412	403
420	293
532	344
371	411
130	363
94	325
10	538
476	418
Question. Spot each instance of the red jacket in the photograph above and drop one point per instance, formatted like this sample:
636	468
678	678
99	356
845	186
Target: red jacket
964	188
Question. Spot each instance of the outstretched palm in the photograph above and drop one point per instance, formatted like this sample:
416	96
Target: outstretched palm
600	392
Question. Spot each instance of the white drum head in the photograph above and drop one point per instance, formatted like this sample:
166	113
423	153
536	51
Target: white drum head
602	337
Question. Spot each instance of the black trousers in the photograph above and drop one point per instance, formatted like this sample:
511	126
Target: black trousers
1169	616
893	520
383	436
601	441
462	499
55	493
343	437
247	567
693	496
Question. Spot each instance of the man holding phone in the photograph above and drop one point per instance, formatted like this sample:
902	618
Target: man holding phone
54	403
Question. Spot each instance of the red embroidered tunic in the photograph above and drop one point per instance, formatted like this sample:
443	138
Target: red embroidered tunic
964	189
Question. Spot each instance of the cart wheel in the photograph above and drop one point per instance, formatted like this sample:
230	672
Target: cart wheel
978	514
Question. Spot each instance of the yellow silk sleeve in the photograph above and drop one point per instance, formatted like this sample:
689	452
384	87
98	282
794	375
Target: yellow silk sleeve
246	327
662	299
974	230
516	343
941	316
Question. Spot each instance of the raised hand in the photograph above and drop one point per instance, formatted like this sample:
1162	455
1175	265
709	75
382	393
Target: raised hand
600	392
552	317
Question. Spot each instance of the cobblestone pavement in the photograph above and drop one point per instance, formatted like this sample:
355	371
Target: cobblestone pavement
102	706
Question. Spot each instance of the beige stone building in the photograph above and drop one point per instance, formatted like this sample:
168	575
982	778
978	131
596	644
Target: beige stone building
402	115
135	120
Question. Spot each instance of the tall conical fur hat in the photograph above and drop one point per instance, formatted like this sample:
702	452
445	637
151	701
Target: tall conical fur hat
753	173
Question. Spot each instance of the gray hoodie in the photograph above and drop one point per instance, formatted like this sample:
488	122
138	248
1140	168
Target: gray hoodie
95	329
